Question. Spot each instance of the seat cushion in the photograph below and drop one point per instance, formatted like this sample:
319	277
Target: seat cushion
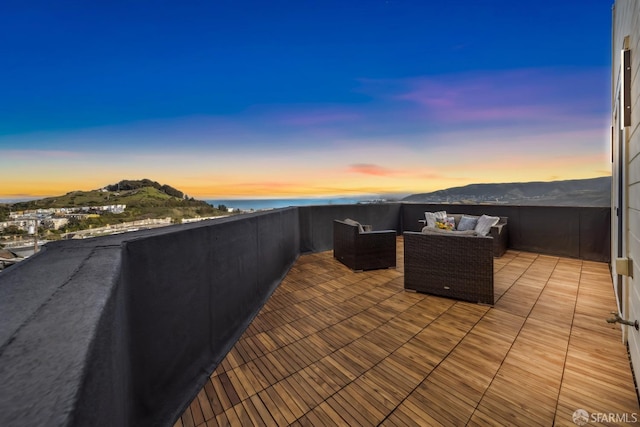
434	230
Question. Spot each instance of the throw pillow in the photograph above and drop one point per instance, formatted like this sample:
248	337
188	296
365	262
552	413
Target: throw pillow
432	217
448	223
485	222
451	221
467	223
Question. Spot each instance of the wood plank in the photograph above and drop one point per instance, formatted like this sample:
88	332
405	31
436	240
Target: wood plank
252	412
262	410
213	398
220	420
441	404
289	398
305	401
232	417
196	412
187	418
346	411
305	383
277	413
229	389
330	413
221	393
236	381
205	405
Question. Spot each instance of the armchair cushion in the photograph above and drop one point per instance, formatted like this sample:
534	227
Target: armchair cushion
356	223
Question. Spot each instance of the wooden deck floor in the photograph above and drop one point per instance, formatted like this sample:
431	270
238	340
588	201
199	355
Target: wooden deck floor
334	347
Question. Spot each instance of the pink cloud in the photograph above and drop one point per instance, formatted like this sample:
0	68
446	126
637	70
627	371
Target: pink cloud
370	169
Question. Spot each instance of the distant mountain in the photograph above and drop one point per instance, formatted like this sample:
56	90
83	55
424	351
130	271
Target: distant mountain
576	192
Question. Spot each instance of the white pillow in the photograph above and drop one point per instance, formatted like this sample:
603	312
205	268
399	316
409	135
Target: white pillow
432	217
485	222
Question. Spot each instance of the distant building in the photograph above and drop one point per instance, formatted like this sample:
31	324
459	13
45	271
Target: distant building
55	223
625	146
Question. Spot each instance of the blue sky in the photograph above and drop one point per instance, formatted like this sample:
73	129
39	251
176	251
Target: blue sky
294	98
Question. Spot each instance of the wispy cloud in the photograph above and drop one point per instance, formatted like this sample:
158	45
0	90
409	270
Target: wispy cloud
529	95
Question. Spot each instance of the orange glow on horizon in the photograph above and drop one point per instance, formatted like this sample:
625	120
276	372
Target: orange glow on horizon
300	189
319	174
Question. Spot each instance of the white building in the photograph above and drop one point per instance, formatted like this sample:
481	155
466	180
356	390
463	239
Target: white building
55	223
625	145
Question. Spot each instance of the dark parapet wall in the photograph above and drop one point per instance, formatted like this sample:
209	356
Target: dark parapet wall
125	330
192	294
316	222
576	232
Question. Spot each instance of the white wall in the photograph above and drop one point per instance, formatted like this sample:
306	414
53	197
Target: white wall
626	23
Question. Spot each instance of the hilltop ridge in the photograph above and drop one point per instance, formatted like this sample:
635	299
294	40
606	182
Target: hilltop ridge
138	199
575	192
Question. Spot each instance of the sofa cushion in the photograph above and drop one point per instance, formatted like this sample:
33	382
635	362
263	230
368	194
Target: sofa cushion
485	222
354	222
467	223
432	217
433	230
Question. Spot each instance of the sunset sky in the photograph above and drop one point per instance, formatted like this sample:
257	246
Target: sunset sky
225	99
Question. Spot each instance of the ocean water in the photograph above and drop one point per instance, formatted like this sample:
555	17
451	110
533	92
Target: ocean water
261	204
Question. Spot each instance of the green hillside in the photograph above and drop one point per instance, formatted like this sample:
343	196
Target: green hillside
144	199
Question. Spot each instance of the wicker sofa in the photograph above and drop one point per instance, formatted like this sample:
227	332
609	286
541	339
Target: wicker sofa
360	248
499	233
454	266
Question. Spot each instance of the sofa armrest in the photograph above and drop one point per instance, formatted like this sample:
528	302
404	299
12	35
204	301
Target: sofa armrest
497	229
500	234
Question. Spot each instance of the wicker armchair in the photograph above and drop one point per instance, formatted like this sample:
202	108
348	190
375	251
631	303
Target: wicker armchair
363	250
454	266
